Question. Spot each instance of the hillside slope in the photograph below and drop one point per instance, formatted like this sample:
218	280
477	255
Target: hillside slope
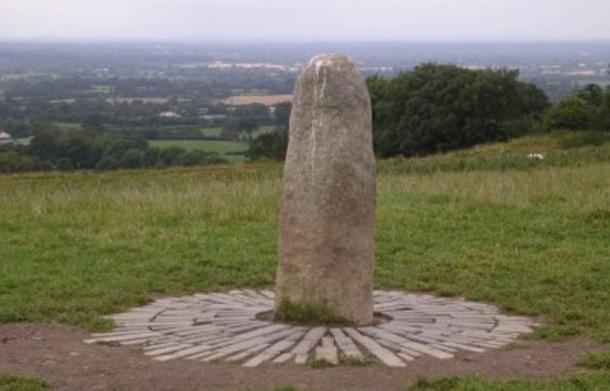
555	149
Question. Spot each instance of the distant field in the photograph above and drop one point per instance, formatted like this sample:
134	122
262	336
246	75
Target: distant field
102	89
268	100
60	101
68	125
207	132
253	91
137	99
211	132
218	146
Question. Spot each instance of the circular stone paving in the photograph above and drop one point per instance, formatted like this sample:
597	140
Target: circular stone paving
226	326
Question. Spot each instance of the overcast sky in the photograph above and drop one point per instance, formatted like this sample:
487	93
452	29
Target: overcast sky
305	20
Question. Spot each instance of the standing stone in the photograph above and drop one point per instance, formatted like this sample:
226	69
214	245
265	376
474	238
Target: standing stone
327	218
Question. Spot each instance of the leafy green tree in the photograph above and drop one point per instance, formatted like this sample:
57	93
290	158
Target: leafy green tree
64	164
116	146
132	158
151	157
169	156
193	158
572	113
248	126
46	145
282	114
92	122
379	90
603	117
82	149
270	145
230	129
107	163
12	161
254	111
592	94
443	107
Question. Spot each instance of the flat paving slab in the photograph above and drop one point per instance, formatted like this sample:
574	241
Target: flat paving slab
225	326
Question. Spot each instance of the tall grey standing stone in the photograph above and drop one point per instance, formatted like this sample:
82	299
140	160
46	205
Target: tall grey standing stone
327	218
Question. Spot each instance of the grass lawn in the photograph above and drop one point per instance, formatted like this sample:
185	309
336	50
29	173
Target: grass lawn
594	376
18	383
584	381
218	146
215	132
211	132
531	237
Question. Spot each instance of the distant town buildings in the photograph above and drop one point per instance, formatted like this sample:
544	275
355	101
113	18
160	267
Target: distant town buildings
169	114
214	118
5	138
224	65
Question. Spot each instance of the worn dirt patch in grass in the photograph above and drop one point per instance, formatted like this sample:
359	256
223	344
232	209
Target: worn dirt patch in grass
57	354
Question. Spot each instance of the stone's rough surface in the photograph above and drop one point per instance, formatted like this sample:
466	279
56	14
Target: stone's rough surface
421	325
327	219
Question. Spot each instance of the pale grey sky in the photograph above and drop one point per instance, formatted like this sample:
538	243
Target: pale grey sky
319	20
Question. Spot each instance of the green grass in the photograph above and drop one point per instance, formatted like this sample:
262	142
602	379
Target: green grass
600	360
290	312
18	383
320	364
76	246
352	361
282	388
584	381
216	131
211	132
560	149
537	143
216	146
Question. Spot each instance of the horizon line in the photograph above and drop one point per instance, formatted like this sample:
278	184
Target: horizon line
196	41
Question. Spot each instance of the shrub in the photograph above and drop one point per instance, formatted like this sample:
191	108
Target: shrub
132	158
107	163
290	312
18	383
169	156
438	108
12	161
151	157
270	145
64	164
573	113
193	158
599	360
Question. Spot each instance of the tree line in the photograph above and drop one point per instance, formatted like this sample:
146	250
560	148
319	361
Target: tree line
438	108
86	149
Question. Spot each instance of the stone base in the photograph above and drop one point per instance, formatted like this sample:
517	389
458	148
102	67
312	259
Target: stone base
225	327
